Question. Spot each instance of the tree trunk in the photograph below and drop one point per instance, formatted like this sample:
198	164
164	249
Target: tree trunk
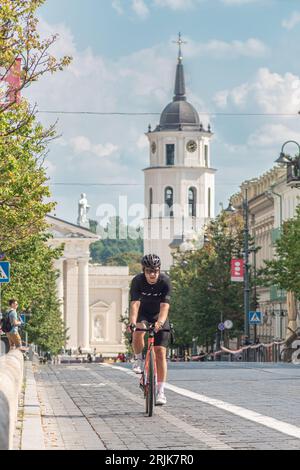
292	313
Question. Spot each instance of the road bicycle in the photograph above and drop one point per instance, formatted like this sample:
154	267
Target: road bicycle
148	380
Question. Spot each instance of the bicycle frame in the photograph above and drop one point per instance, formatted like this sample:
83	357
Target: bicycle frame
150	348
149	376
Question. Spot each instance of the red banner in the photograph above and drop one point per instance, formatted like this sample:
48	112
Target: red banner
237	270
10	84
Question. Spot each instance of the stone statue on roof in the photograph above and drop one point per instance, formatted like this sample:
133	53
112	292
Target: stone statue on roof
83	208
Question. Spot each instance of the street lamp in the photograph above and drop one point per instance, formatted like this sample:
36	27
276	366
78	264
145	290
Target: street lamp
230	210
292	164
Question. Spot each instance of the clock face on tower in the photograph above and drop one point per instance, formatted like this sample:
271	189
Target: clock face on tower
153	147
191	146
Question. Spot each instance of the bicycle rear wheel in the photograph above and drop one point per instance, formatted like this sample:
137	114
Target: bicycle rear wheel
150	387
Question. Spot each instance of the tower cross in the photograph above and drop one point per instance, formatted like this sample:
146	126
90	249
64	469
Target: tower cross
179	42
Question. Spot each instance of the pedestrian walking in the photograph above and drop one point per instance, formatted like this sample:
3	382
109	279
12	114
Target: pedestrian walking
14	322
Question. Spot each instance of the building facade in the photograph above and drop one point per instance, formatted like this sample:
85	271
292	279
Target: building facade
179	182
271	201
93	297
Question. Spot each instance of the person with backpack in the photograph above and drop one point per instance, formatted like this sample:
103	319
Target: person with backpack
10	324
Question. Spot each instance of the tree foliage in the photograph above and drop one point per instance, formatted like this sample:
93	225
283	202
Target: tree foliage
23	182
33	283
20	39
119	245
23	141
202	289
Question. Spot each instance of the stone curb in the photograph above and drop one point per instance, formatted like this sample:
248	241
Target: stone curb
32	431
11	374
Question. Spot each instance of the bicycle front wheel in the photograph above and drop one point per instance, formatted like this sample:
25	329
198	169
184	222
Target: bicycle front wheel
150	390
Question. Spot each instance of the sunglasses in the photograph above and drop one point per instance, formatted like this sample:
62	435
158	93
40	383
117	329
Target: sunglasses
152	271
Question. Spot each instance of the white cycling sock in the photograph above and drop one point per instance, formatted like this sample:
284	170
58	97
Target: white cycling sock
161	387
139	356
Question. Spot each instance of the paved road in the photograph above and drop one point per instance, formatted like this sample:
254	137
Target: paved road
210	406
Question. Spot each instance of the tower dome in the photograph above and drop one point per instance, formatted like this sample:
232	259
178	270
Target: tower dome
179	114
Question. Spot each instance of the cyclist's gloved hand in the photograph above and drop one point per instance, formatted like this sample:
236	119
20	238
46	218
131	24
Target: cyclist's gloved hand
158	326
131	328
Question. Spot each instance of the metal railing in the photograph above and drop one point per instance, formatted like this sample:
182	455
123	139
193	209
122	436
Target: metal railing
262	352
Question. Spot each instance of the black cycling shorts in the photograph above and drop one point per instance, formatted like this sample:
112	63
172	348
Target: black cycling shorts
161	338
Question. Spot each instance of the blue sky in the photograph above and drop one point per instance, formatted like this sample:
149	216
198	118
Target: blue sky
241	56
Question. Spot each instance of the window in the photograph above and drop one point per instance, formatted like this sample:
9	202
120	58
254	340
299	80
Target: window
208	202
169	201
150	202
192	202
170	154
206	155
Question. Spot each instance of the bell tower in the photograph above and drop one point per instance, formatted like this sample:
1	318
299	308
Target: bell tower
179	182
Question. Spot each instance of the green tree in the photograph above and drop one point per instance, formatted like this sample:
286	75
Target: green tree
23	141
20	39
131	259
33	283
116	239
23	188
202	289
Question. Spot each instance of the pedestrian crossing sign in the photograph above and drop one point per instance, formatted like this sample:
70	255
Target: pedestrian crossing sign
255	318
4	272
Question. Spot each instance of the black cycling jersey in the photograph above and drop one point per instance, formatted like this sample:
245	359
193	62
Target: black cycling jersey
150	295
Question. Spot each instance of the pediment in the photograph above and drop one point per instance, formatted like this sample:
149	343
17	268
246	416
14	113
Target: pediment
100	304
63	229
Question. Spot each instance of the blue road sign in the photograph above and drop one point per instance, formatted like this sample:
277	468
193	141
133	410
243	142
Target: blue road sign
4	272
255	318
221	326
23	317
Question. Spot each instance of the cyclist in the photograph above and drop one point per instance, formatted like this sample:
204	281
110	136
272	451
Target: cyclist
150	297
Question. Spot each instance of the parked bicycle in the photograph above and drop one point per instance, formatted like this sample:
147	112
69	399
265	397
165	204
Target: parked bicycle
148	380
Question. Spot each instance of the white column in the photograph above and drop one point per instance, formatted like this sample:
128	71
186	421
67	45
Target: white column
83	303
59	265
124	307
71	302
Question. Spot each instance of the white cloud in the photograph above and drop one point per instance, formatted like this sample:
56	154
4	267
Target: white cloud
238	2
50	168
65	44
116	4
142	142
82	144
251	48
271	135
176	4
292	21
140	8
104	150
270	92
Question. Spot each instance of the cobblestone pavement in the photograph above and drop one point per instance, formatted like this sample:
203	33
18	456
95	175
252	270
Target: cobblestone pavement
92	406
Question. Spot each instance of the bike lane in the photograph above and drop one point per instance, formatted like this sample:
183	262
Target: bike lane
101	407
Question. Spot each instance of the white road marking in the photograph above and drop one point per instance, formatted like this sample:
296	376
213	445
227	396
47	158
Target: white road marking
268	421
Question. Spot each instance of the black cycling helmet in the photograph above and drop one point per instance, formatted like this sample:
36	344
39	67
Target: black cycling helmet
151	261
